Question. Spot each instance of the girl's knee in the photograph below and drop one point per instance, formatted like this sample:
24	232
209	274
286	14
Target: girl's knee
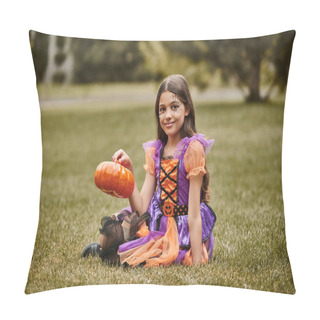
103	241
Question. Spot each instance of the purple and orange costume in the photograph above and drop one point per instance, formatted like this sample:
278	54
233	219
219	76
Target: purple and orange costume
168	240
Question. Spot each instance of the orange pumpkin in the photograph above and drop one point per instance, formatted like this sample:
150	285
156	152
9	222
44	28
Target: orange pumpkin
114	179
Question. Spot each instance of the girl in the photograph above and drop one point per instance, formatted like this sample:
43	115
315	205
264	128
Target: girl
175	192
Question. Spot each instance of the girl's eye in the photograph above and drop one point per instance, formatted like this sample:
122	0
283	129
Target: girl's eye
162	110
175	107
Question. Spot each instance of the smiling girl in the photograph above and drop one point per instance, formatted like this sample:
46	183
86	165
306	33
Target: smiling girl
175	192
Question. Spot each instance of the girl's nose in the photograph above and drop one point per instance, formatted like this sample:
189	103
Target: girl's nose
168	114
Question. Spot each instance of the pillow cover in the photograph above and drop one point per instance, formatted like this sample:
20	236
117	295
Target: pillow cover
97	96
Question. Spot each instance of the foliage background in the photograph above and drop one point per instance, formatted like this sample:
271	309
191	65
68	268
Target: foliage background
250	64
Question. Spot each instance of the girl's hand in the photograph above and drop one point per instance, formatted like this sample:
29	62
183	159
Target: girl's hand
122	158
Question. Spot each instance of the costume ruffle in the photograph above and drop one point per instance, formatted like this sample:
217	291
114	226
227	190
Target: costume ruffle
159	249
184	143
157	144
153	150
196	171
156	250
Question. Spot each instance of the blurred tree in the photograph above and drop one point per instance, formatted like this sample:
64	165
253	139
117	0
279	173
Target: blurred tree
105	61
39	46
241	60
250	63
281	56
163	58
253	61
53	59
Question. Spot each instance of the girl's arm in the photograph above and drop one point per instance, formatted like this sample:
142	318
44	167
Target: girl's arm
138	201
194	218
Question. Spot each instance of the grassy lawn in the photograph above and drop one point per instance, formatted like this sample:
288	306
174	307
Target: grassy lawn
245	167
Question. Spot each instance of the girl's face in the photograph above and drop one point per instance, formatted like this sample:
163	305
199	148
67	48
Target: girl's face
171	114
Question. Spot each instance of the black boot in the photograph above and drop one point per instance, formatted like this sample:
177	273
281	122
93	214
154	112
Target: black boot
92	249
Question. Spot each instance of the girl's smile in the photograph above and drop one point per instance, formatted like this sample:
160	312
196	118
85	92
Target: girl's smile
169	124
171	114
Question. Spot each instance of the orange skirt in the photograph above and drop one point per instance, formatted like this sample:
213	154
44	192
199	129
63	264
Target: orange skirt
160	250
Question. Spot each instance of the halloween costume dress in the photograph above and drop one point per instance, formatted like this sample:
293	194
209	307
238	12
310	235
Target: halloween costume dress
168	240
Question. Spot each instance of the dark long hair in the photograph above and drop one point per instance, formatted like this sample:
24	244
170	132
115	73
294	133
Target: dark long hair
178	85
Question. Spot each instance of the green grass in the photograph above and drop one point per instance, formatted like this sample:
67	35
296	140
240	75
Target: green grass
245	167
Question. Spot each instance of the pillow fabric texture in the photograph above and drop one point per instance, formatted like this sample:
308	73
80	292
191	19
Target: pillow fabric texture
97	96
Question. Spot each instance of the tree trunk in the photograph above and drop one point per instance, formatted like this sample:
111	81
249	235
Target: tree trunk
52	50
254	85
63	69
